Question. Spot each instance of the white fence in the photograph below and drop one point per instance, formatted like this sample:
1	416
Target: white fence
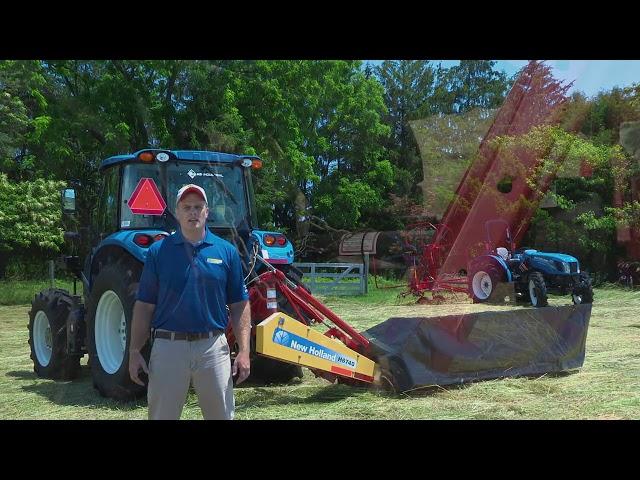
335	278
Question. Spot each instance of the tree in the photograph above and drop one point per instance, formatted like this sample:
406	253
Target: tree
30	217
471	84
23	116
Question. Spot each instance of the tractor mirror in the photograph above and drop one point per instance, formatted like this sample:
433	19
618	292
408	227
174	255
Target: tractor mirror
69	200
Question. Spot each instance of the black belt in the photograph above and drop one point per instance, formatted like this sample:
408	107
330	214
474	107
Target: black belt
189	337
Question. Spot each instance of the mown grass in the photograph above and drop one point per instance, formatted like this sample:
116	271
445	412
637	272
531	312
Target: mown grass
607	387
21	292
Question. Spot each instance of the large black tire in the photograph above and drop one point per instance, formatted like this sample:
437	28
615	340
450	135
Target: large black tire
537	289
483	281
583	291
48	336
114	283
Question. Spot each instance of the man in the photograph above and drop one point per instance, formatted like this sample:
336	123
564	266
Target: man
189	279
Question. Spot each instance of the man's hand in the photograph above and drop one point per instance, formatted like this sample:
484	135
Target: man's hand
241	366
241	322
136	363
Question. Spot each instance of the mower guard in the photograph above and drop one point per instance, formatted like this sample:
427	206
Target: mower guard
428	351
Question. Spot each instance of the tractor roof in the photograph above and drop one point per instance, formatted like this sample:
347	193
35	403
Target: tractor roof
187	155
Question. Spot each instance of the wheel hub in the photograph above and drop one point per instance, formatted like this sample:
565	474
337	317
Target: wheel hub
482	285
532	293
110	332
42	338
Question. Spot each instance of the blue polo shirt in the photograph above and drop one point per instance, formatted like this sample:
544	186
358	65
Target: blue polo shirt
192	285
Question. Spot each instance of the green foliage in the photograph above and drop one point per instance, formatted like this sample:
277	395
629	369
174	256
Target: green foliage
348	203
628	215
472	84
422	99
408	90
30	215
600	230
345	138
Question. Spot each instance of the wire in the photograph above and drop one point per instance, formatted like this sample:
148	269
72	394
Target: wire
252	261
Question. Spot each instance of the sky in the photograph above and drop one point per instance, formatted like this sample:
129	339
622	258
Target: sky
589	76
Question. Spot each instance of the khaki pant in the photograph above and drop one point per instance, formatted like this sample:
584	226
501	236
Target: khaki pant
174	364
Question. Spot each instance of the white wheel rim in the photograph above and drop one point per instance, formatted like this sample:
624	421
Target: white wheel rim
532	293
42	343
110	332
482	285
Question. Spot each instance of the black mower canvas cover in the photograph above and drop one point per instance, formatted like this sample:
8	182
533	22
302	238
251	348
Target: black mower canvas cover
421	351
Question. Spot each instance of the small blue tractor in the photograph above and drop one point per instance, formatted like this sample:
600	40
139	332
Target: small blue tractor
534	274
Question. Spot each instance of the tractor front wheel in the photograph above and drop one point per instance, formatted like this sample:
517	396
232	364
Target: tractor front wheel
537	290
48	336
583	292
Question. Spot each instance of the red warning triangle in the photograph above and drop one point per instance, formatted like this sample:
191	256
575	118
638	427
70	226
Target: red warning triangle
146	199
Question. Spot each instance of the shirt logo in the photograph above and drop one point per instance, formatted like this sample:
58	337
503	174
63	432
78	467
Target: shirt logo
215	261
191	173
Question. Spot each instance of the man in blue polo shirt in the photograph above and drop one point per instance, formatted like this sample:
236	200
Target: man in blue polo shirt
188	281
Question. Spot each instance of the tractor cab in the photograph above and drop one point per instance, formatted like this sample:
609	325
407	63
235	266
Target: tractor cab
137	202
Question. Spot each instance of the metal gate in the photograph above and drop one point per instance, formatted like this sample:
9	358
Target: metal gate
335	278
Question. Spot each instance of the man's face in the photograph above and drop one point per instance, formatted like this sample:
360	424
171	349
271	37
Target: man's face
192	212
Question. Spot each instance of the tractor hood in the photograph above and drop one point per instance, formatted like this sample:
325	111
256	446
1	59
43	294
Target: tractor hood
551	256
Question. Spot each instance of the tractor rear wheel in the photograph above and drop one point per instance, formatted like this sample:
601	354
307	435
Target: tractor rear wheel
483	282
537	290
109	317
48	336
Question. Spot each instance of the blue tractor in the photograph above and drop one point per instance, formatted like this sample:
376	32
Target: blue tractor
136	208
532	273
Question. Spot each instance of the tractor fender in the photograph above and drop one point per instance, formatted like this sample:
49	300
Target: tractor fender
119	245
274	254
124	240
496	260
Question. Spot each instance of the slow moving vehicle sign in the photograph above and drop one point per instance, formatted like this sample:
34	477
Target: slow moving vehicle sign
146	199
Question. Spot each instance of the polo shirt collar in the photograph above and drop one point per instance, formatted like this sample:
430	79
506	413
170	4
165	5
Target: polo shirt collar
178	238
208	237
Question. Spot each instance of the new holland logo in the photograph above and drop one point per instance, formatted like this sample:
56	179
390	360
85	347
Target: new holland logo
304	345
191	173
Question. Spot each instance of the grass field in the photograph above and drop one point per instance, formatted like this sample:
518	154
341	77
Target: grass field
607	387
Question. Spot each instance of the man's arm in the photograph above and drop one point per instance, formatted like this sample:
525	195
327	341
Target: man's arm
140	327
241	323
